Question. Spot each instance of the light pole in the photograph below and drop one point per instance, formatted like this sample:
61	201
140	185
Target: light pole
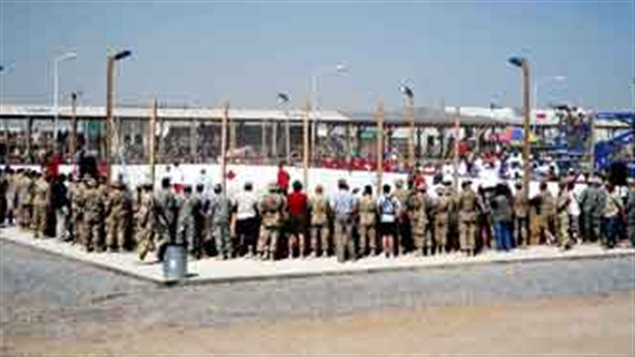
110	74
523	64
283	100
56	62
340	68
411	122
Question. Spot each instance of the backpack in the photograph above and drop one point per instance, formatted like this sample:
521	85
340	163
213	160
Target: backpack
387	206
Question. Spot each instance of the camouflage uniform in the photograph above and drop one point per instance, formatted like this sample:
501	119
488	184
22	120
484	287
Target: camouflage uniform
588	202
403	223
319	207
419	220
26	200
117	209
145	220
562	202
441	220
41	204
521	216
164	213
185	222
467	219
271	207
219	216
93	204
549	213
77	192
367	222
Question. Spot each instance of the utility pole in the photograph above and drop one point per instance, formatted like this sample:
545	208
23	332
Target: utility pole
305	144
457	128
223	148
73	140
152	138
379	116
523	64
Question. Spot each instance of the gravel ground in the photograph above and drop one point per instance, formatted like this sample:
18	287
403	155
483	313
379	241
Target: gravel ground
45	296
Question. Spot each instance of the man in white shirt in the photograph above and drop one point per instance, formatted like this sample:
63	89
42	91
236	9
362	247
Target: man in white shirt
246	225
574	211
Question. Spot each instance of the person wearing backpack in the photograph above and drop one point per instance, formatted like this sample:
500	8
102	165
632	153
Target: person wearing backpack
388	208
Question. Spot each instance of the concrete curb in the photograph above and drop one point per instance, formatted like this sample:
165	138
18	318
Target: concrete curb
97	265
304	274
392	269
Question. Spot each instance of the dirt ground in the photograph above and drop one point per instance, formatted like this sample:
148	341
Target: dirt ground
591	326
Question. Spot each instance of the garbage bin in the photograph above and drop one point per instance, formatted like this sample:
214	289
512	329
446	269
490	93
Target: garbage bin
175	262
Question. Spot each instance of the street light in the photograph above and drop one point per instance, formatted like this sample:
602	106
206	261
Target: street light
110	78
523	64
339	68
56	62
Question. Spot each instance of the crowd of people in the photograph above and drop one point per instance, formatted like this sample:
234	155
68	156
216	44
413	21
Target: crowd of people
287	222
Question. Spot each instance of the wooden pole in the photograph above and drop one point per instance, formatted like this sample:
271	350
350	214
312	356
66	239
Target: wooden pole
457	128
73	148
411	134
274	139
380	145
526	148
305	146
232	137
110	73
263	139
29	139
349	146
592	144
193	140
223	148
152	138
287	138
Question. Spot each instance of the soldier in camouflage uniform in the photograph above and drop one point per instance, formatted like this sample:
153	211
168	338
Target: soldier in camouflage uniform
613	208
93	204
521	215
319	207
185	222
467	218
218	219
453	235
441	220
403	222
271	208
367	210
117	211
146	221
165	216
589	200
199	206
26	198
548	211
417	208
562	202
77	192
41	205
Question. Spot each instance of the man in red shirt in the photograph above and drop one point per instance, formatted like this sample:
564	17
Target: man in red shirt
298	205
283	178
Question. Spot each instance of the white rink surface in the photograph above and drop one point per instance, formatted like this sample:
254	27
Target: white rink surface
210	270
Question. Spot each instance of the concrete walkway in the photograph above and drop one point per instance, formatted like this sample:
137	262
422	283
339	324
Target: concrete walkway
213	271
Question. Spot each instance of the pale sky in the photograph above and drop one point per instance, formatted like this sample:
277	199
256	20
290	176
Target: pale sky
201	53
